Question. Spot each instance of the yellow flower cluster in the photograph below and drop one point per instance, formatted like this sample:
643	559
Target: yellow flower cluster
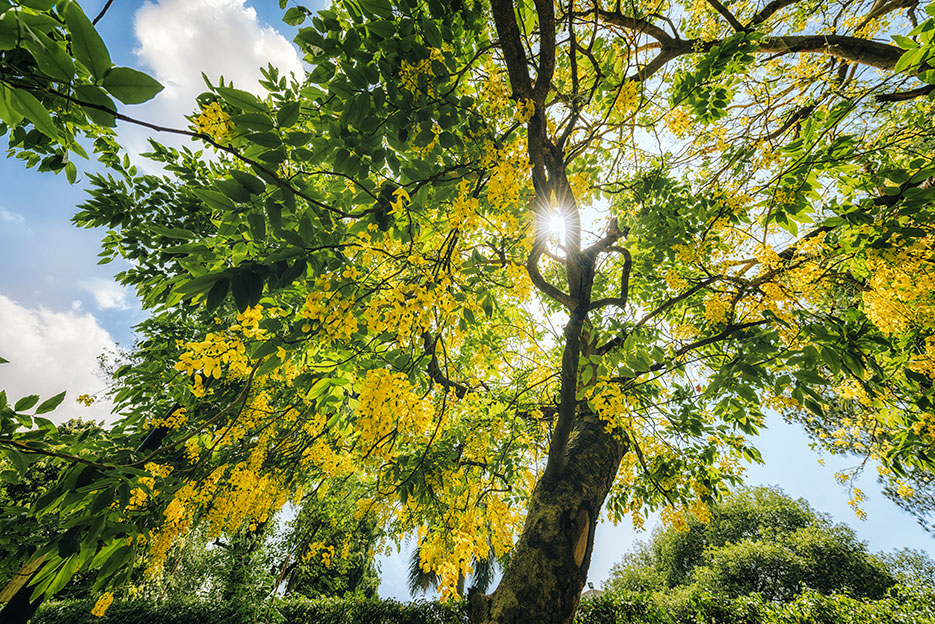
857	497
139	495
319	548
925	426
901	290
215	122
86	399
716	307
508	184
582	186
679	121
525	108
388	404
221	349
612	406
248	322
332	312
173	421
463	211
627	100
405	310
103	602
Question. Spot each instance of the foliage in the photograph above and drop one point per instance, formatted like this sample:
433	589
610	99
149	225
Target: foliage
20	530
320	611
757	540
362	284
57	85
904	607
911	568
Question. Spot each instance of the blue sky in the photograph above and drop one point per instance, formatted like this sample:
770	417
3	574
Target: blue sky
59	309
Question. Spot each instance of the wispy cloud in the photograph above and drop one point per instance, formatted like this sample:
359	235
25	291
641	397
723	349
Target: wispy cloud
108	295
13	219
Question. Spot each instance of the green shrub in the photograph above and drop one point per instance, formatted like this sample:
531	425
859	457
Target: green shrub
690	606
139	612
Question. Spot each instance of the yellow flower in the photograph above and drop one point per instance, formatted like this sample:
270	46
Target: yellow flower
100	607
215	122
525	108
399	194
86	399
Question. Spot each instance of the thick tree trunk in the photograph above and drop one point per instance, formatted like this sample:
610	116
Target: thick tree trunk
549	565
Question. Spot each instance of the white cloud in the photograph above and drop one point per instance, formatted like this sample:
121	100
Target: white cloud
14	219
51	351
180	39
8	216
108	295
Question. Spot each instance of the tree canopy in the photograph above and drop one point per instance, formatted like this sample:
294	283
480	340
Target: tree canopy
757	540
509	266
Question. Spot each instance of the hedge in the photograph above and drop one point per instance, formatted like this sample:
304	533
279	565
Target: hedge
901	607
299	611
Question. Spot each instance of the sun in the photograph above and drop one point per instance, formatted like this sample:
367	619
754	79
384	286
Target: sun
555	224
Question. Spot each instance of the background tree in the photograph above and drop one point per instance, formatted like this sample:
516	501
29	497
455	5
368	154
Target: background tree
757	540
371	273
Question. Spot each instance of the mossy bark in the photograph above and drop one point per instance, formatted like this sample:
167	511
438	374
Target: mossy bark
549	565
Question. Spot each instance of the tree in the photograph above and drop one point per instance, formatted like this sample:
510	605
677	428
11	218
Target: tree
371	278
757	540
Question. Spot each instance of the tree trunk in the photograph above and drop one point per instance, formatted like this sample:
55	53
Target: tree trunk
549	565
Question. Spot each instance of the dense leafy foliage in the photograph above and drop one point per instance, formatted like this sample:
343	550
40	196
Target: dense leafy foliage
321	611
364	283
808	608
756	541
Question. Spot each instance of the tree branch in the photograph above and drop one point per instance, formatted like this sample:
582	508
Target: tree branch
103	12
902	96
504	17
768	11
727	15
207	139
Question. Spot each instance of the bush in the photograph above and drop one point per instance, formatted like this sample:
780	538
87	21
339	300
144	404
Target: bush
139	612
298	611
371	611
901	606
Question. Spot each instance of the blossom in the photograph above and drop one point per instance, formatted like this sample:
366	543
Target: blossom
100	607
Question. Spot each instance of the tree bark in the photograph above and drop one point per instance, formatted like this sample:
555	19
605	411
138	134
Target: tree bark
549	565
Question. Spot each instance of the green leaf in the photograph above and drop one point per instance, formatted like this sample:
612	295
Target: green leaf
9	113
50	404
288	114
96	96
257	225
173	233
130	86
241	99
16	458
86	44
199	284
39	5
26	402
51	58
214	199
905	42
249	181
217	294
29	107
294	16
